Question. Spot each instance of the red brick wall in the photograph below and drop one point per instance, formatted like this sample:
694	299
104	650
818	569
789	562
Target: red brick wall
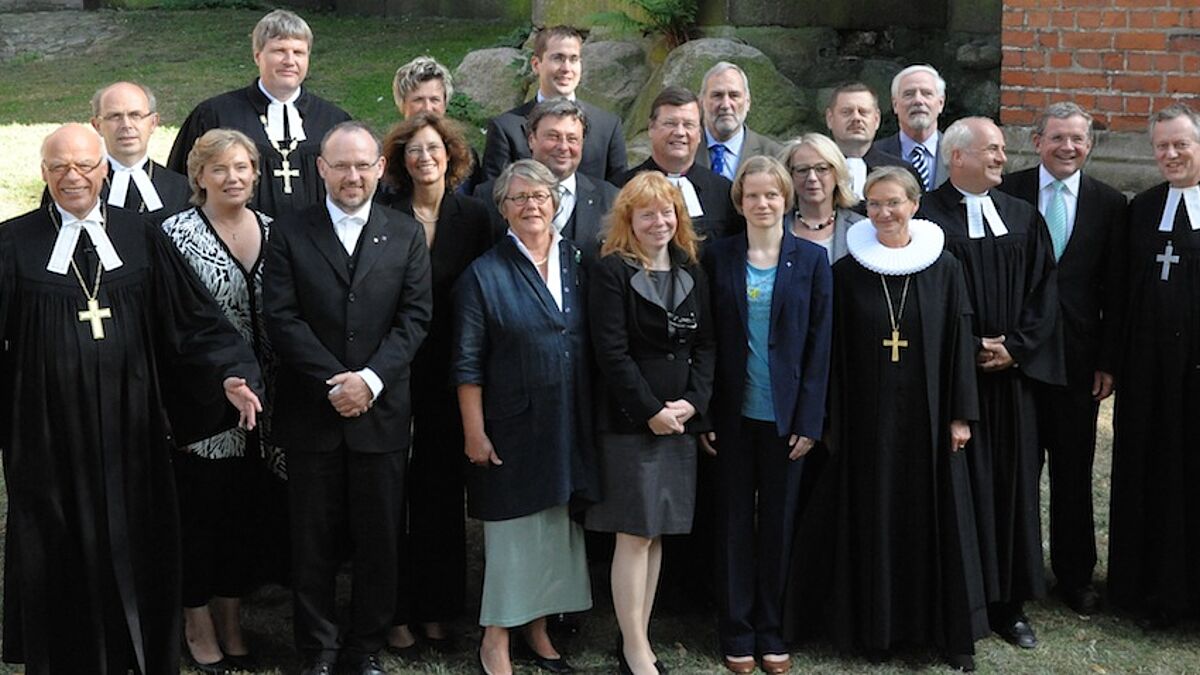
1119	59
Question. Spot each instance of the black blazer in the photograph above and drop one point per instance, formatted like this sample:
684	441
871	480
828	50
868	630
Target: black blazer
1089	273
720	219
603	146
322	321
641	365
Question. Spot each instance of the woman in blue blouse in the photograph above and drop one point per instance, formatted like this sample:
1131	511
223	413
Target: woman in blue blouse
772	309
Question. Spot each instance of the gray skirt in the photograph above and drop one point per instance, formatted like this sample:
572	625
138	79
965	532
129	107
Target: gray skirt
649	485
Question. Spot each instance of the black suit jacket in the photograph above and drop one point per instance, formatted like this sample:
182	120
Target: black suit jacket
720	219
323	321
1089	272
603	146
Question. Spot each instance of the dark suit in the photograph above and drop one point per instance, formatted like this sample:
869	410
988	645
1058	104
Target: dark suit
891	145
603	146
753	553
328	313
753	145
593	199
720	219
1088	290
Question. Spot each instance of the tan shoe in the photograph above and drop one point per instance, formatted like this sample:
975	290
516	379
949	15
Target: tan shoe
777	666
740	667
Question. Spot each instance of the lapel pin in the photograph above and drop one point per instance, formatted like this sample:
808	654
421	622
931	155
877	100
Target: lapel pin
788	263
375	240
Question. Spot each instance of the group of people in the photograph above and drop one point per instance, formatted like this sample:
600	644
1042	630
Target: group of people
827	371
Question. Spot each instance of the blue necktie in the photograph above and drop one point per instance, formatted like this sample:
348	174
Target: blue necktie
918	161
1056	218
717	159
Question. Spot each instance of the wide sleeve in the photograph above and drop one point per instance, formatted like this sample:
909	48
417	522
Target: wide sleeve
410	323
292	338
1037	345
201	119
470	329
704	347
809	416
607	306
960	342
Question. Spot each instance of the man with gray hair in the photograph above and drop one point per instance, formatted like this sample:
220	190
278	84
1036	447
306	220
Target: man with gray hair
1008	262
918	97
126	115
725	97
283	119
1086	220
1153	563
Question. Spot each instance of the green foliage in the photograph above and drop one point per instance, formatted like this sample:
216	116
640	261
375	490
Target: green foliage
464	109
515	38
673	19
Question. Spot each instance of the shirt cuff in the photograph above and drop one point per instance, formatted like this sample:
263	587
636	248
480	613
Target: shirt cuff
372	381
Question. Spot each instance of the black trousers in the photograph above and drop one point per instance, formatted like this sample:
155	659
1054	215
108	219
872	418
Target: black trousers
1067	429
433	557
337	496
758	489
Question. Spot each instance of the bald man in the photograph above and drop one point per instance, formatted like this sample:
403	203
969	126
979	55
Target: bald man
116	354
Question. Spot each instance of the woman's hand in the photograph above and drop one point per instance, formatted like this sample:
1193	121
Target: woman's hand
960	433
242	397
683	410
800	445
480	451
708	441
665	422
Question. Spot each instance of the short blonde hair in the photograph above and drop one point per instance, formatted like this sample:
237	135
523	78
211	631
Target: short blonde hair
417	72
894	174
831	154
208	147
647	188
761	164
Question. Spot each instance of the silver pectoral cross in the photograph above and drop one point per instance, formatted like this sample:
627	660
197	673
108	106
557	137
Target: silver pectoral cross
95	315
287	173
1167	259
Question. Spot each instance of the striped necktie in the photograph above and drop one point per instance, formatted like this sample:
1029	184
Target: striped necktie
1056	218
918	161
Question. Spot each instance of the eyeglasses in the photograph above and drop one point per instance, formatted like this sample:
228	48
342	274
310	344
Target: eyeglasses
539	198
345	167
82	168
890	205
559	59
136	117
672	123
821	170
432	150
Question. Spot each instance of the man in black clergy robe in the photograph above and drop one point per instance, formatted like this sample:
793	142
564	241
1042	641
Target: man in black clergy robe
107	331
283	119
1006	254
1153	561
675	133
1086	221
348	299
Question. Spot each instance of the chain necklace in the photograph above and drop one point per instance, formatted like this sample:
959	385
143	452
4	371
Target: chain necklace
894	316
94	314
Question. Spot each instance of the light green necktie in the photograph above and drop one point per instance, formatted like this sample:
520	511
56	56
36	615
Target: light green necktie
1056	218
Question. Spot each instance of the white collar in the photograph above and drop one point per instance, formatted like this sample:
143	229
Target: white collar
690	198
288	101
981	208
733	145
1045	179
553	280
118	184
930	144
336	214
276	109
1190	196
569	183
139	165
542	97
922	250
68	238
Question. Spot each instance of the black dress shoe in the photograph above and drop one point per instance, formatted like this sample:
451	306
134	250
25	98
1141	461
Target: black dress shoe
368	665
964	663
1081	599
1017	631
523	652
317	668
245	663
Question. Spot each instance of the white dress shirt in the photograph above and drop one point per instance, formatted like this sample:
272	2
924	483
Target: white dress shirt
348	227
1070	195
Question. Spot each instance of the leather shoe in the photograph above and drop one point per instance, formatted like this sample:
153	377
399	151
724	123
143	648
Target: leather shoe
739	667
1081	599
523	652
317	668
776	667
368	665
1017	631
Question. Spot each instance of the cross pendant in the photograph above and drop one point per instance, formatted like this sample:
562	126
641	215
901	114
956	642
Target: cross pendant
95	315
287	173
1167	259
895	344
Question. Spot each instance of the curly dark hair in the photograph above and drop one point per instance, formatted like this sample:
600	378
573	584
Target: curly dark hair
458	153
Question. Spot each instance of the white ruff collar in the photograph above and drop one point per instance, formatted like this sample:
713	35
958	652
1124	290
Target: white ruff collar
921	252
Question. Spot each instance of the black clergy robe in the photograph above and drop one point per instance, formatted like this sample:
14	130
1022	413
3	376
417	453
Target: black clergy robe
92	568
1012	286
1154	561
244	110
893	551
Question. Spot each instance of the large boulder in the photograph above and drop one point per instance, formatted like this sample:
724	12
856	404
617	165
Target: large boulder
492	78
803	55
614	73
778	107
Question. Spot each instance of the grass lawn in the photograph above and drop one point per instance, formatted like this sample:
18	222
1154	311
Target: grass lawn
188	56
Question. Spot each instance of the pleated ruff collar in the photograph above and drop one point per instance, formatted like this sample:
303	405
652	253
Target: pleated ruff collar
921	252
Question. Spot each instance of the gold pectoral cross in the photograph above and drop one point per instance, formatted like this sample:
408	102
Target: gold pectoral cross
95	315
895	344
287	173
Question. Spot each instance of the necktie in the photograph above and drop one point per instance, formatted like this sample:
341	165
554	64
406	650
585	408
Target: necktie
716	155
921	164
563	214
1056	218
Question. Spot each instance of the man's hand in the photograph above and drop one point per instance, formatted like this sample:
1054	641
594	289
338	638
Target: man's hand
350	396
960	433
708	441
244	399
480	451
994	355
1102	385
